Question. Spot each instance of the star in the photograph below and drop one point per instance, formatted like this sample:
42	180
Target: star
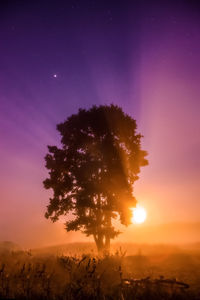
55	75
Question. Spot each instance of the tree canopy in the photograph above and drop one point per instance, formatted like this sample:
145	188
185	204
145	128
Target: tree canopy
93	171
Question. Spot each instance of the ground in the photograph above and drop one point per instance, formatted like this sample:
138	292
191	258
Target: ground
144	271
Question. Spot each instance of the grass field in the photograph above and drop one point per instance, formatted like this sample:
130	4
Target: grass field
142	272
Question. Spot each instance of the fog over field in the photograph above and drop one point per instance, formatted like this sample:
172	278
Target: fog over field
172	233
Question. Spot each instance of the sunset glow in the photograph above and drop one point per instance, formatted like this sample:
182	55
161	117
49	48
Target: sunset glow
139	215
99	149
139	55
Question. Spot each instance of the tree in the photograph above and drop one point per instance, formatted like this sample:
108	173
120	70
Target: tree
93	172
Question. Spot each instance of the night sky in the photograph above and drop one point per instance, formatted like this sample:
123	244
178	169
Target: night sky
58	56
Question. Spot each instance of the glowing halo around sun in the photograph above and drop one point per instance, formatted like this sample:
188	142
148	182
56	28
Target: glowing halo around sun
139	215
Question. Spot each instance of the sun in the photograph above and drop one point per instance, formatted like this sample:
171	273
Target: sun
139	215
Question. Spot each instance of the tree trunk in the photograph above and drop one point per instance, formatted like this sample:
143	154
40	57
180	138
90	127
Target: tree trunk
102	240
107	235
102	243
99	242
107	244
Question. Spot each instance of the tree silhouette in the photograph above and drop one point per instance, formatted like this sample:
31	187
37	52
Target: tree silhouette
93	172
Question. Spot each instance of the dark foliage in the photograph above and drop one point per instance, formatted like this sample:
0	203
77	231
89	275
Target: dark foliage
93	173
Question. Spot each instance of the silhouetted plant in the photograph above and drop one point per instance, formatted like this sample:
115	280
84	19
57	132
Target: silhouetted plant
83	278
93	172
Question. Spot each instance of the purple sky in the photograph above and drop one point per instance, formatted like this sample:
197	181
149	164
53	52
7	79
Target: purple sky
140	55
